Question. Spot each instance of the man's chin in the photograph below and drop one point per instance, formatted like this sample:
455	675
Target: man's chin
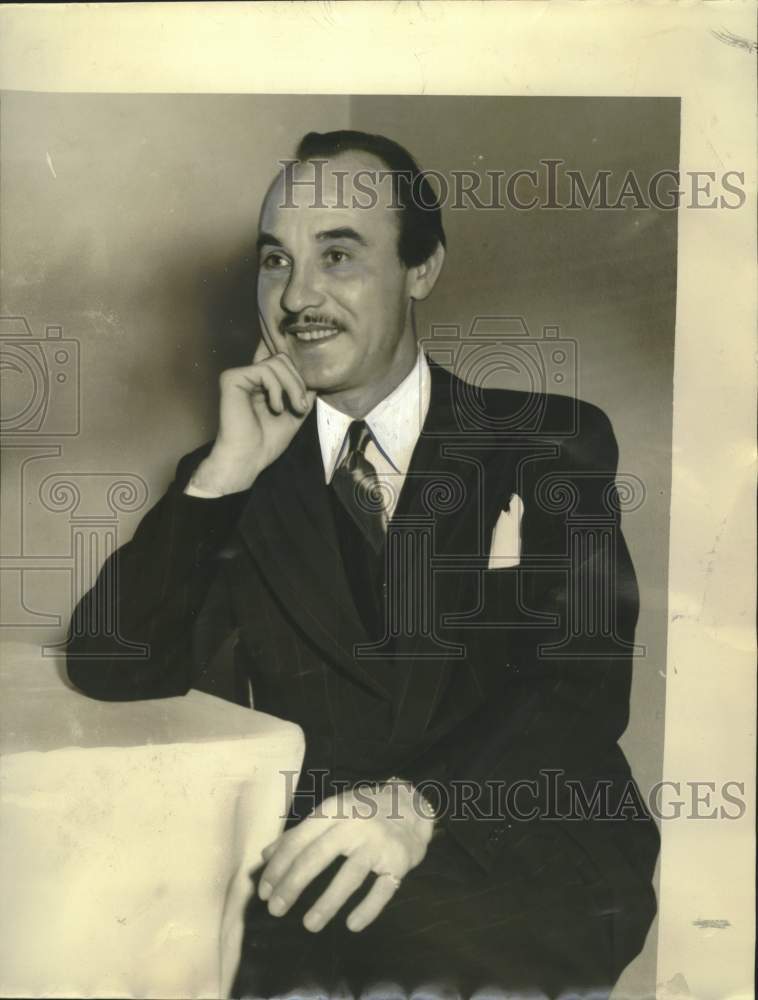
320	373
324	386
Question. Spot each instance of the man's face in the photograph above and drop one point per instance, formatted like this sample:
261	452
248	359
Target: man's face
332	290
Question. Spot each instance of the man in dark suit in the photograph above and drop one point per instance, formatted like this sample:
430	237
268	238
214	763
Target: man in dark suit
431	580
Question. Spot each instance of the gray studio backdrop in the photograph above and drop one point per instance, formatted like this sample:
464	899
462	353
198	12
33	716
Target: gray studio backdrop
128	223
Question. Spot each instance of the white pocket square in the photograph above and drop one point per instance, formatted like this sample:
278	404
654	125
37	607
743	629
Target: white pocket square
505	547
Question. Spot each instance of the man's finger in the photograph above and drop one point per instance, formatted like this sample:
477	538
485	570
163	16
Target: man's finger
270	382
254	380
368	910
262	351
309	863
269	849
275	378
287	848
267	348
266	336
351	876
310	393
291	381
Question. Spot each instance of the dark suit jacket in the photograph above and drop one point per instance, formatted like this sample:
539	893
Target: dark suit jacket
498	676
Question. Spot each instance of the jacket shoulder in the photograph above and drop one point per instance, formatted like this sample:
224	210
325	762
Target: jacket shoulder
580	430
543	414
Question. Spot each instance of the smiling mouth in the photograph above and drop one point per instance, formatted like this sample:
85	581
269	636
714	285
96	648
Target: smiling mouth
311	334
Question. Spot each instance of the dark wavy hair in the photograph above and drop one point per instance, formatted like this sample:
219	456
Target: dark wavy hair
420	213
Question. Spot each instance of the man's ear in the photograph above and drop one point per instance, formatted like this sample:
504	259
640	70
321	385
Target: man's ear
423	277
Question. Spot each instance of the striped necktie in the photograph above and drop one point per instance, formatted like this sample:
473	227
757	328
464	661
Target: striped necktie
357	485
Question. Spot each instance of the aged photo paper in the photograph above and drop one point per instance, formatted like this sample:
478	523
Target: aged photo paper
595	163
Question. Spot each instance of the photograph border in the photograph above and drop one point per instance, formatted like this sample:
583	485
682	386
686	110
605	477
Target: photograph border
700	52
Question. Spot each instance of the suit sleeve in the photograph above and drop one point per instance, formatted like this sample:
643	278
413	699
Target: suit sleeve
130	636
550	707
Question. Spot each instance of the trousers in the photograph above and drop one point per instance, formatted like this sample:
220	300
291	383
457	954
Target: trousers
454	931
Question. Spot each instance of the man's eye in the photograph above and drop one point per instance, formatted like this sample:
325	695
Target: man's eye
336	256
275	261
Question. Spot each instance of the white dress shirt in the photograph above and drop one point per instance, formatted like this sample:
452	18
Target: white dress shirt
395	424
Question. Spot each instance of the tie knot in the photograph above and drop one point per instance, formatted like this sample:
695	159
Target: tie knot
358	437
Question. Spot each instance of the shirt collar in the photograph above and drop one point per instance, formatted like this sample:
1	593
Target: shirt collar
395	422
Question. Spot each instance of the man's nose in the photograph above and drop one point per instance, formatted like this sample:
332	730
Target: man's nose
302	290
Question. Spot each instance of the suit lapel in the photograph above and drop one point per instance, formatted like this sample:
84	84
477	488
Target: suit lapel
288	526
445	485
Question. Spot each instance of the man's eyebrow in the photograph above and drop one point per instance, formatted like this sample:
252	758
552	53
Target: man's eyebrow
343	233
267	240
